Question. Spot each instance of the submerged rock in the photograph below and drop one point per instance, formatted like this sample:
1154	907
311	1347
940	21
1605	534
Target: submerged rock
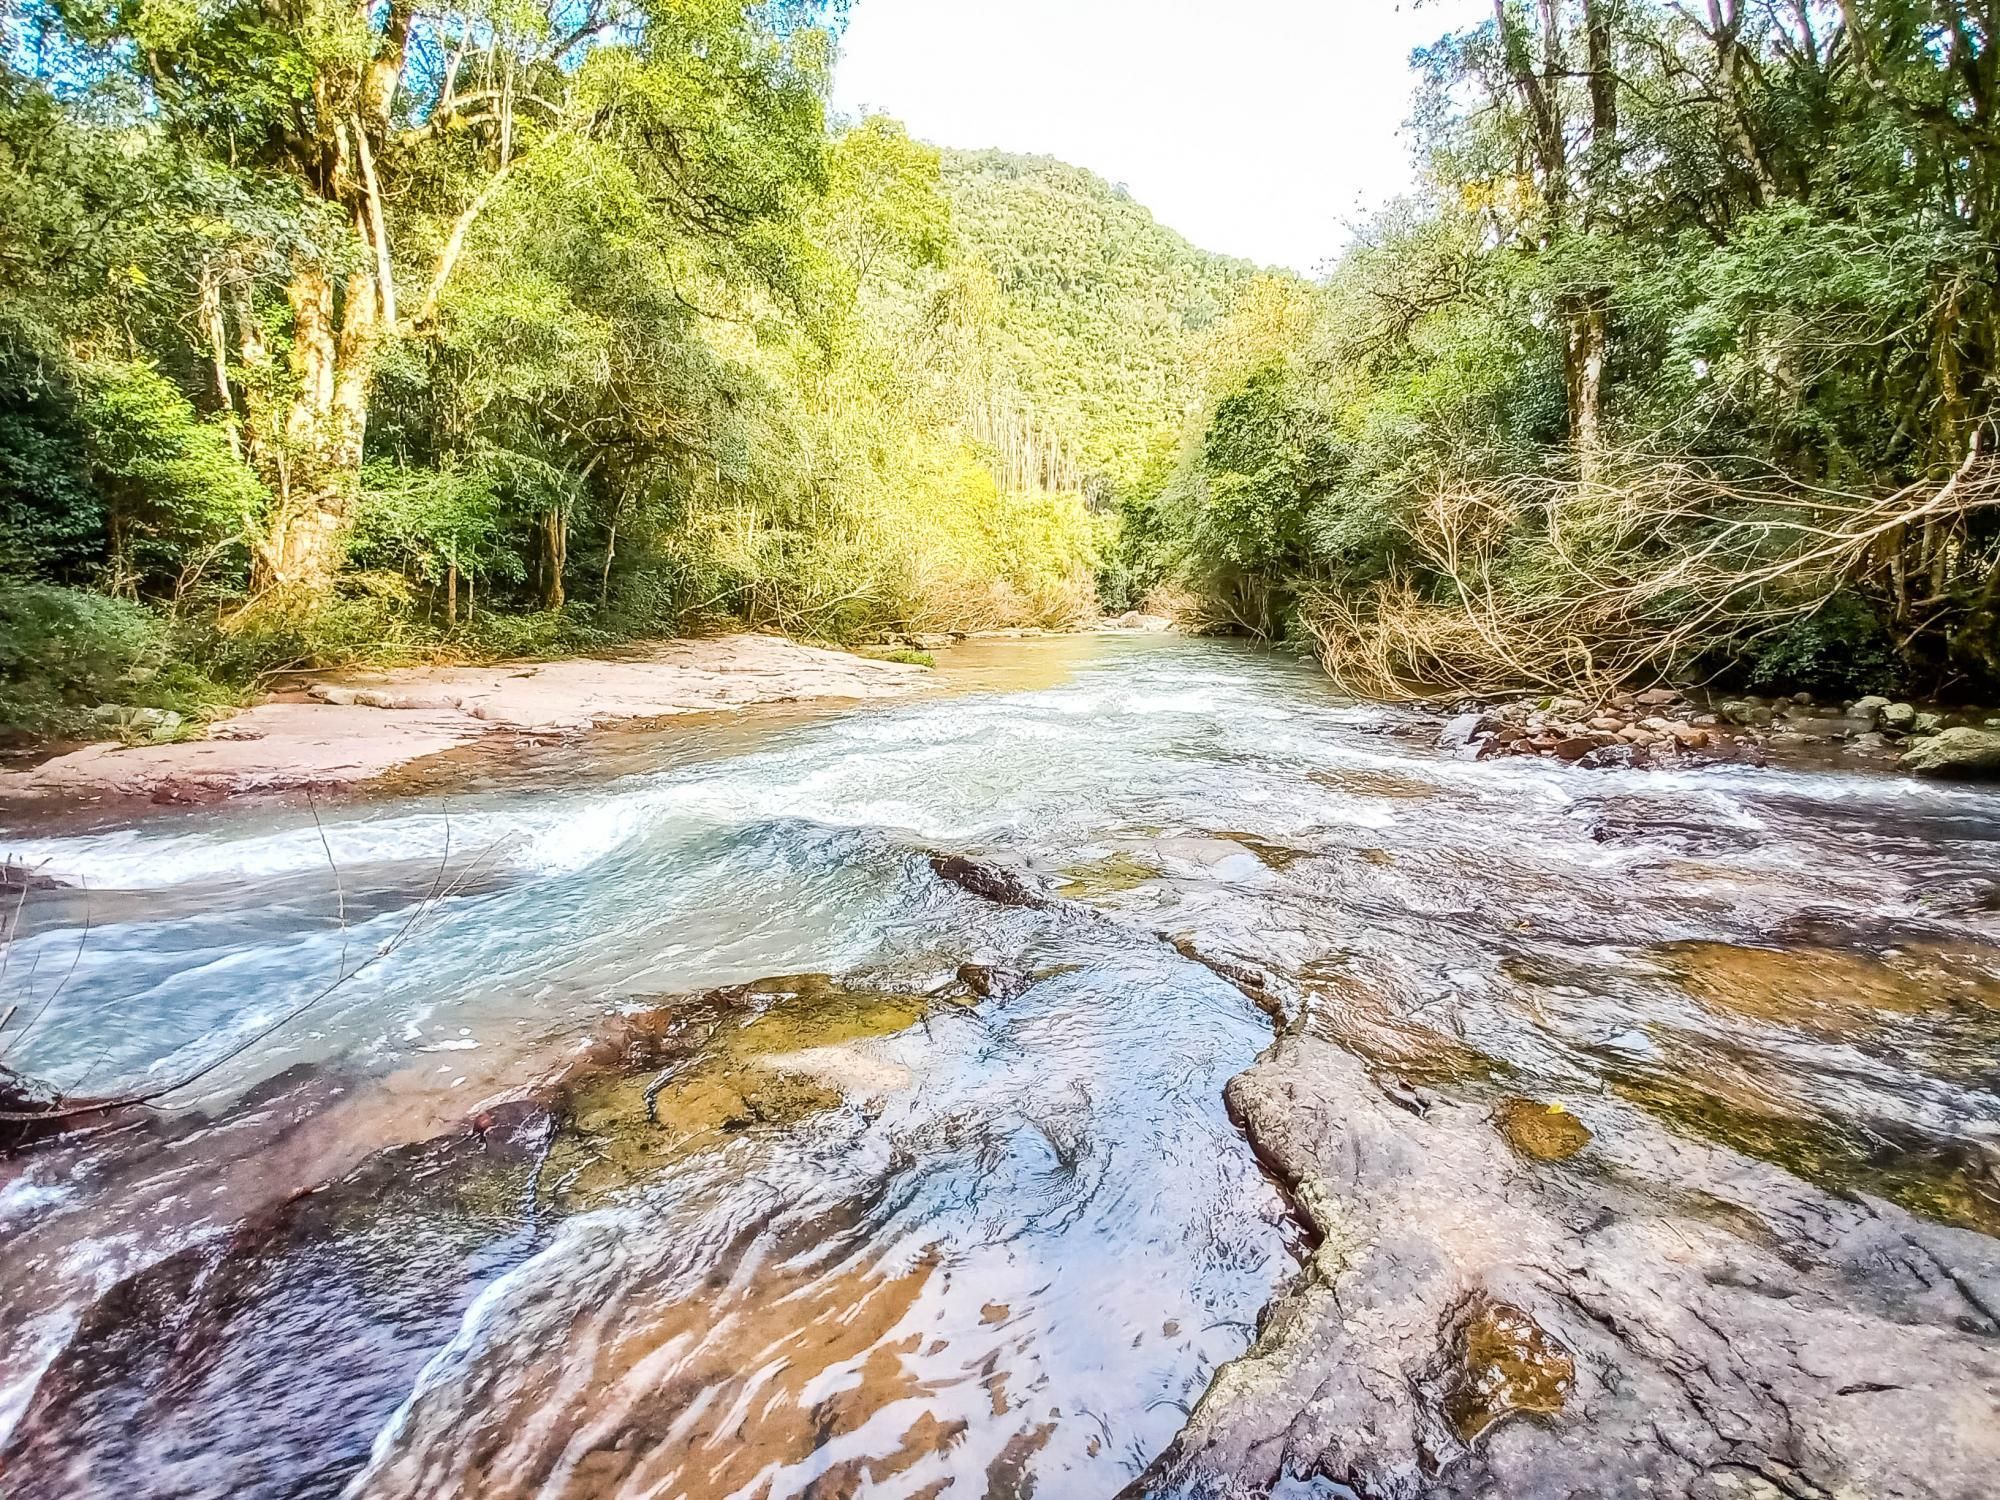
16	877
1541	1132
1459	733
1502	1364
1955	752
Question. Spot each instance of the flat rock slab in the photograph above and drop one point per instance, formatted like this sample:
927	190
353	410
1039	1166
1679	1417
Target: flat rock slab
673	678
1633	1315
360	726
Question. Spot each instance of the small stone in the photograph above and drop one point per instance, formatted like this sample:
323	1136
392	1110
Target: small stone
1658	697
1620	757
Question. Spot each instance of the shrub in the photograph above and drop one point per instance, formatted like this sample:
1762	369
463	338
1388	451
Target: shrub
1842	649
63	650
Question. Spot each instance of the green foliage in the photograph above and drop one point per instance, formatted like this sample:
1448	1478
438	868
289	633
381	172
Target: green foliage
65	651
51	520
1840	651
1100	310
1678	279
176	500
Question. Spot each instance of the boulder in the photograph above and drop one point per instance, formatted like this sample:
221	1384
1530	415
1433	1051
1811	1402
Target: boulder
1927	724
1867	710
1749	715
1460	732
1898	718
1955	752
1658	697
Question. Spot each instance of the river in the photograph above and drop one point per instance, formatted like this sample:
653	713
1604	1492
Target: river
697	1136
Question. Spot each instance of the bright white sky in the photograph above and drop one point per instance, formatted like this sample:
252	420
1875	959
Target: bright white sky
1259	128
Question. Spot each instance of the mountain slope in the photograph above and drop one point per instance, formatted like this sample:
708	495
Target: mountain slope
1101	307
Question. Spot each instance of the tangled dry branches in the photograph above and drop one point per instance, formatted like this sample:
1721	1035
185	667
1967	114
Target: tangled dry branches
1576	586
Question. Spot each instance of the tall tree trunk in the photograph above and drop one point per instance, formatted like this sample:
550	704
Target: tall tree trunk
555	537
324	428
311	451
1588	333
1586	343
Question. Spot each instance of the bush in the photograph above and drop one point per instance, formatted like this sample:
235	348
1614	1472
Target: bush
65	651
1841	650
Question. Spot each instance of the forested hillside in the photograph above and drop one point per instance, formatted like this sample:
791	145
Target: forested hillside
1681	361
404	332
1102	312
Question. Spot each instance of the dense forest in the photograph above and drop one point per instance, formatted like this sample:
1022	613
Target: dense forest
333	331
1681	361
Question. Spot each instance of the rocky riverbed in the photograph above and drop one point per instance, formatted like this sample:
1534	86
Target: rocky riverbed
1223	1091
1665	727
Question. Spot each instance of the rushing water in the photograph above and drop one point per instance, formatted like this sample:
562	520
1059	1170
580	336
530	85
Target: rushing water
979	1229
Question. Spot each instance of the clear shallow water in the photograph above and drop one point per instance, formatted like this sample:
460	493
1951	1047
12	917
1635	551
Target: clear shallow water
990	1244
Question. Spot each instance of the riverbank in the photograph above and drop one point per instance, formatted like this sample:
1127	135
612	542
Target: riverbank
1666	728
350	728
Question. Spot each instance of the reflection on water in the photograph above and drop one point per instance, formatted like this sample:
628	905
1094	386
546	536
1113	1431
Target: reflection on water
612	1213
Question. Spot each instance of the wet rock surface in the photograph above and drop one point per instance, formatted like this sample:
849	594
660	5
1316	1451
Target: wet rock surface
265	1360
1648	1315
1623	1134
